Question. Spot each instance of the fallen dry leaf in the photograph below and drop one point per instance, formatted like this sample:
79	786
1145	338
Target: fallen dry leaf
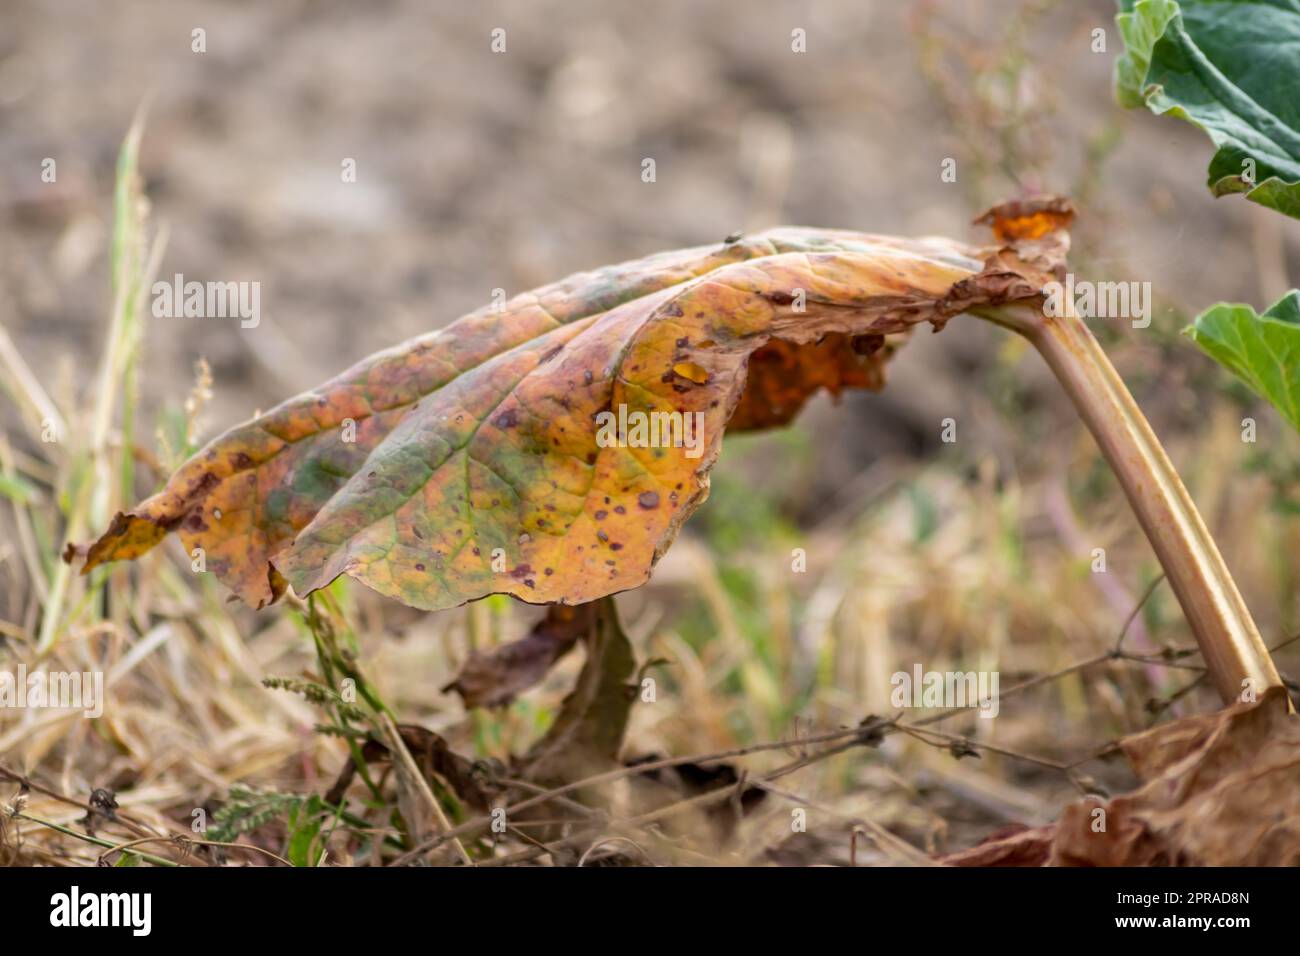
1219	789
434	757
1011	845
494	678
468	462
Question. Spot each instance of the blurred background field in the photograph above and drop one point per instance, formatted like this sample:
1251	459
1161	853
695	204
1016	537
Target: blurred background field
479	170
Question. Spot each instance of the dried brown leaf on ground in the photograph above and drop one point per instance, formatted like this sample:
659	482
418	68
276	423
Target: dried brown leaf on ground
494	678
434	757
712	824
1219	789
1012	845
482	458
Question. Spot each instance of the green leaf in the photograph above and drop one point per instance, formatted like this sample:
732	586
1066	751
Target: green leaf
1263	350
1229	68
304	827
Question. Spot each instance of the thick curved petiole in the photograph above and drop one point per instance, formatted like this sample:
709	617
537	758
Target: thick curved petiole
1230	643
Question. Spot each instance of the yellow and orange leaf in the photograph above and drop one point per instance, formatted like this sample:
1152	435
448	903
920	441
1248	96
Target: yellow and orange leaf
469	462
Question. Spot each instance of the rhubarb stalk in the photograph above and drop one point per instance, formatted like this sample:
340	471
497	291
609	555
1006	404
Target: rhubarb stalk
1230	644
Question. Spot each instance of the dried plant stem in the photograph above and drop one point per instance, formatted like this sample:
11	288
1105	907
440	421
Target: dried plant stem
412	777
1234	652
97	841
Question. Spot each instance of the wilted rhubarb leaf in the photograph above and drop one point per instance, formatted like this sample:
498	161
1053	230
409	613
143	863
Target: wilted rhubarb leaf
1013	845
1263	350
553	450
494	678
1220	789
431	754
1230	68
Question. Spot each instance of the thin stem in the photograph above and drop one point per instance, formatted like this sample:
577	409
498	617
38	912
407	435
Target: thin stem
1234	652
97	841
